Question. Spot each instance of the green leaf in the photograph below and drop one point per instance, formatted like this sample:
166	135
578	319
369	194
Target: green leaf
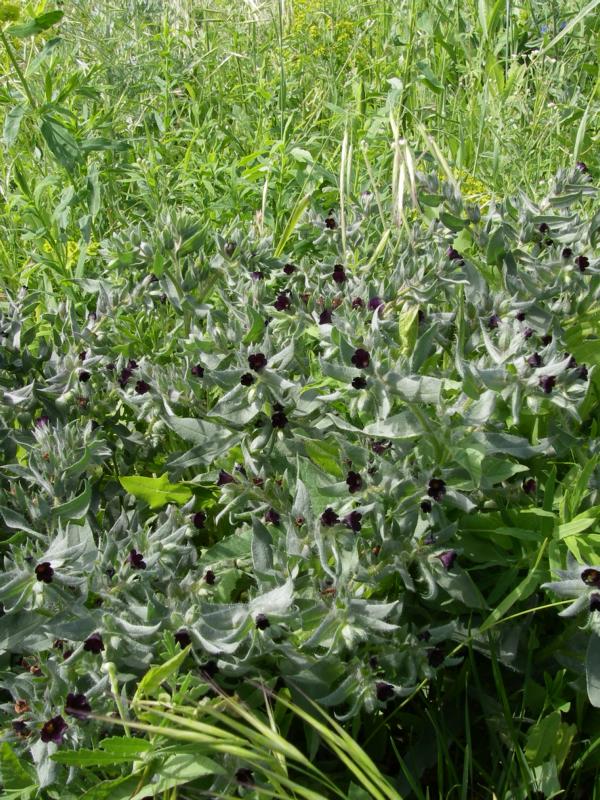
575	526
12	123
61	143
14	772
408	329
118	789
35	25
157	492
325	454
496	247
76	508
9	12
452	222
592	670
299	209
179	769
521	592
14	520
125	746
301	155
90	758
159	674
262	547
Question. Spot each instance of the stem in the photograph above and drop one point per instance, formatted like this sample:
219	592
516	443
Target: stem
18	70
111	669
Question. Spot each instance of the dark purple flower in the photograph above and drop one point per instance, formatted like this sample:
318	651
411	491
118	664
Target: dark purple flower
567	252
197	371
535	361
209	577
182	637
289	269
453	254
244	775
257	275
426	506
20	728
42	421
278	419
67	654
529	485
375	303
261	621
353	521
358	302
83	355
110	367
380	447
210	668
329	518
546	339
591	576
582	373
582	262
132	364
225	478
330	223
572	361
528	333
325	317
257	361
283	302
547	383
360	382
272	516
142	387
424	636
77	706
84	376
435	656
94	644
247	379
581	166
229	249
520	316
126	373
448	557
437	489
136	560
44	572
493	321
199	519
361	358
54	730
338	274
595	601
354	482
384	691
544	228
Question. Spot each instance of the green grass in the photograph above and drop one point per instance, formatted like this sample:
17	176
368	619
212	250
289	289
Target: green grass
212	102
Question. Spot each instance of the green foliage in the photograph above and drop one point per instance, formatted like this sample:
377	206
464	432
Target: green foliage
165	165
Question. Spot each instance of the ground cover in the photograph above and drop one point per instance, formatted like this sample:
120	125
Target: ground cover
300	401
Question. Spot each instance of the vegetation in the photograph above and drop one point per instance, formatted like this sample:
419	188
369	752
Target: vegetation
300	368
